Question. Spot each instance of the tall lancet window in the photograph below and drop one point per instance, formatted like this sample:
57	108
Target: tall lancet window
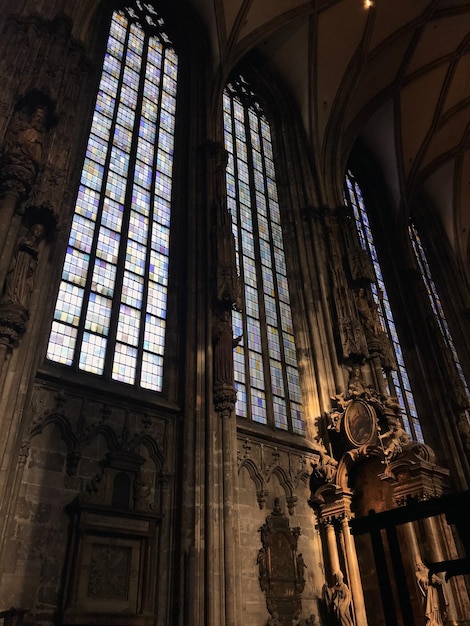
398	381
266	372
436	303
110	313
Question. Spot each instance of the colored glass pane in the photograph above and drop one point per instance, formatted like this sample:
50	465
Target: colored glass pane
265	392
115	273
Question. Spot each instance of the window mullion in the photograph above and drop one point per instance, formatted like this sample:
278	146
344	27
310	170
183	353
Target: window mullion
241	260
123	244
279	325
143	318
98	221
259	278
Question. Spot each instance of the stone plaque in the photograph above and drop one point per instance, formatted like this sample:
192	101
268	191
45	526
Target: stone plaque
109	572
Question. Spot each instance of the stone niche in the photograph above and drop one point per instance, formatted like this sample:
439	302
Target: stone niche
110	568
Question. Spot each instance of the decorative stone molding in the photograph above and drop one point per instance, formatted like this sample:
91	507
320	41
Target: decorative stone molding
415	475
262	460
120	427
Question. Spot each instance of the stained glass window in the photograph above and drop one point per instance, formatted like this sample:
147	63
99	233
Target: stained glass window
266	372
435	302
399	384
110	315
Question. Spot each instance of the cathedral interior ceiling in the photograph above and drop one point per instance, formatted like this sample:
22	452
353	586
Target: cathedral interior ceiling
395	73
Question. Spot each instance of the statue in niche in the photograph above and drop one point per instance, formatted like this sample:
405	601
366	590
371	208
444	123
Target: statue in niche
367	314
142	494
23	150
376	338
339	600
355	385
25	141
22	153
19	281
224	344
396	438
432	589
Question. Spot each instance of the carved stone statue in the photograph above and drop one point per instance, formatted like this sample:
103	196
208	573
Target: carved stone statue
367	314
23	149
324	471
301	567
339	600
26	140
377	340
355	385
432	589
20	277
395	439
224	343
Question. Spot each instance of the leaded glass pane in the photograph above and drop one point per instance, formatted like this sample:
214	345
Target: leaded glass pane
436	305
268	391
402	387
115	274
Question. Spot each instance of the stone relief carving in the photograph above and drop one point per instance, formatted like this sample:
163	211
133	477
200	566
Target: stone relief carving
323	471
360	266
109	572
82	419
23	150
262	460
281	567
34	161
20	277
362	417
378	343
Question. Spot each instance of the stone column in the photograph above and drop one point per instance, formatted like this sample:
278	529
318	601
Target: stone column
436	554
332	546
353	574
226	298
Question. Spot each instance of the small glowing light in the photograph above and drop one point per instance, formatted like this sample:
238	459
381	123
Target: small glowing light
368	4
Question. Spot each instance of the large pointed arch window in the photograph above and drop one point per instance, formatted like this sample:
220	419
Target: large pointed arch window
110	315
436	305
266	372
398	381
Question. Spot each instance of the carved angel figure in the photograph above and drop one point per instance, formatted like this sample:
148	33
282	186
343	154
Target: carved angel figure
396	438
